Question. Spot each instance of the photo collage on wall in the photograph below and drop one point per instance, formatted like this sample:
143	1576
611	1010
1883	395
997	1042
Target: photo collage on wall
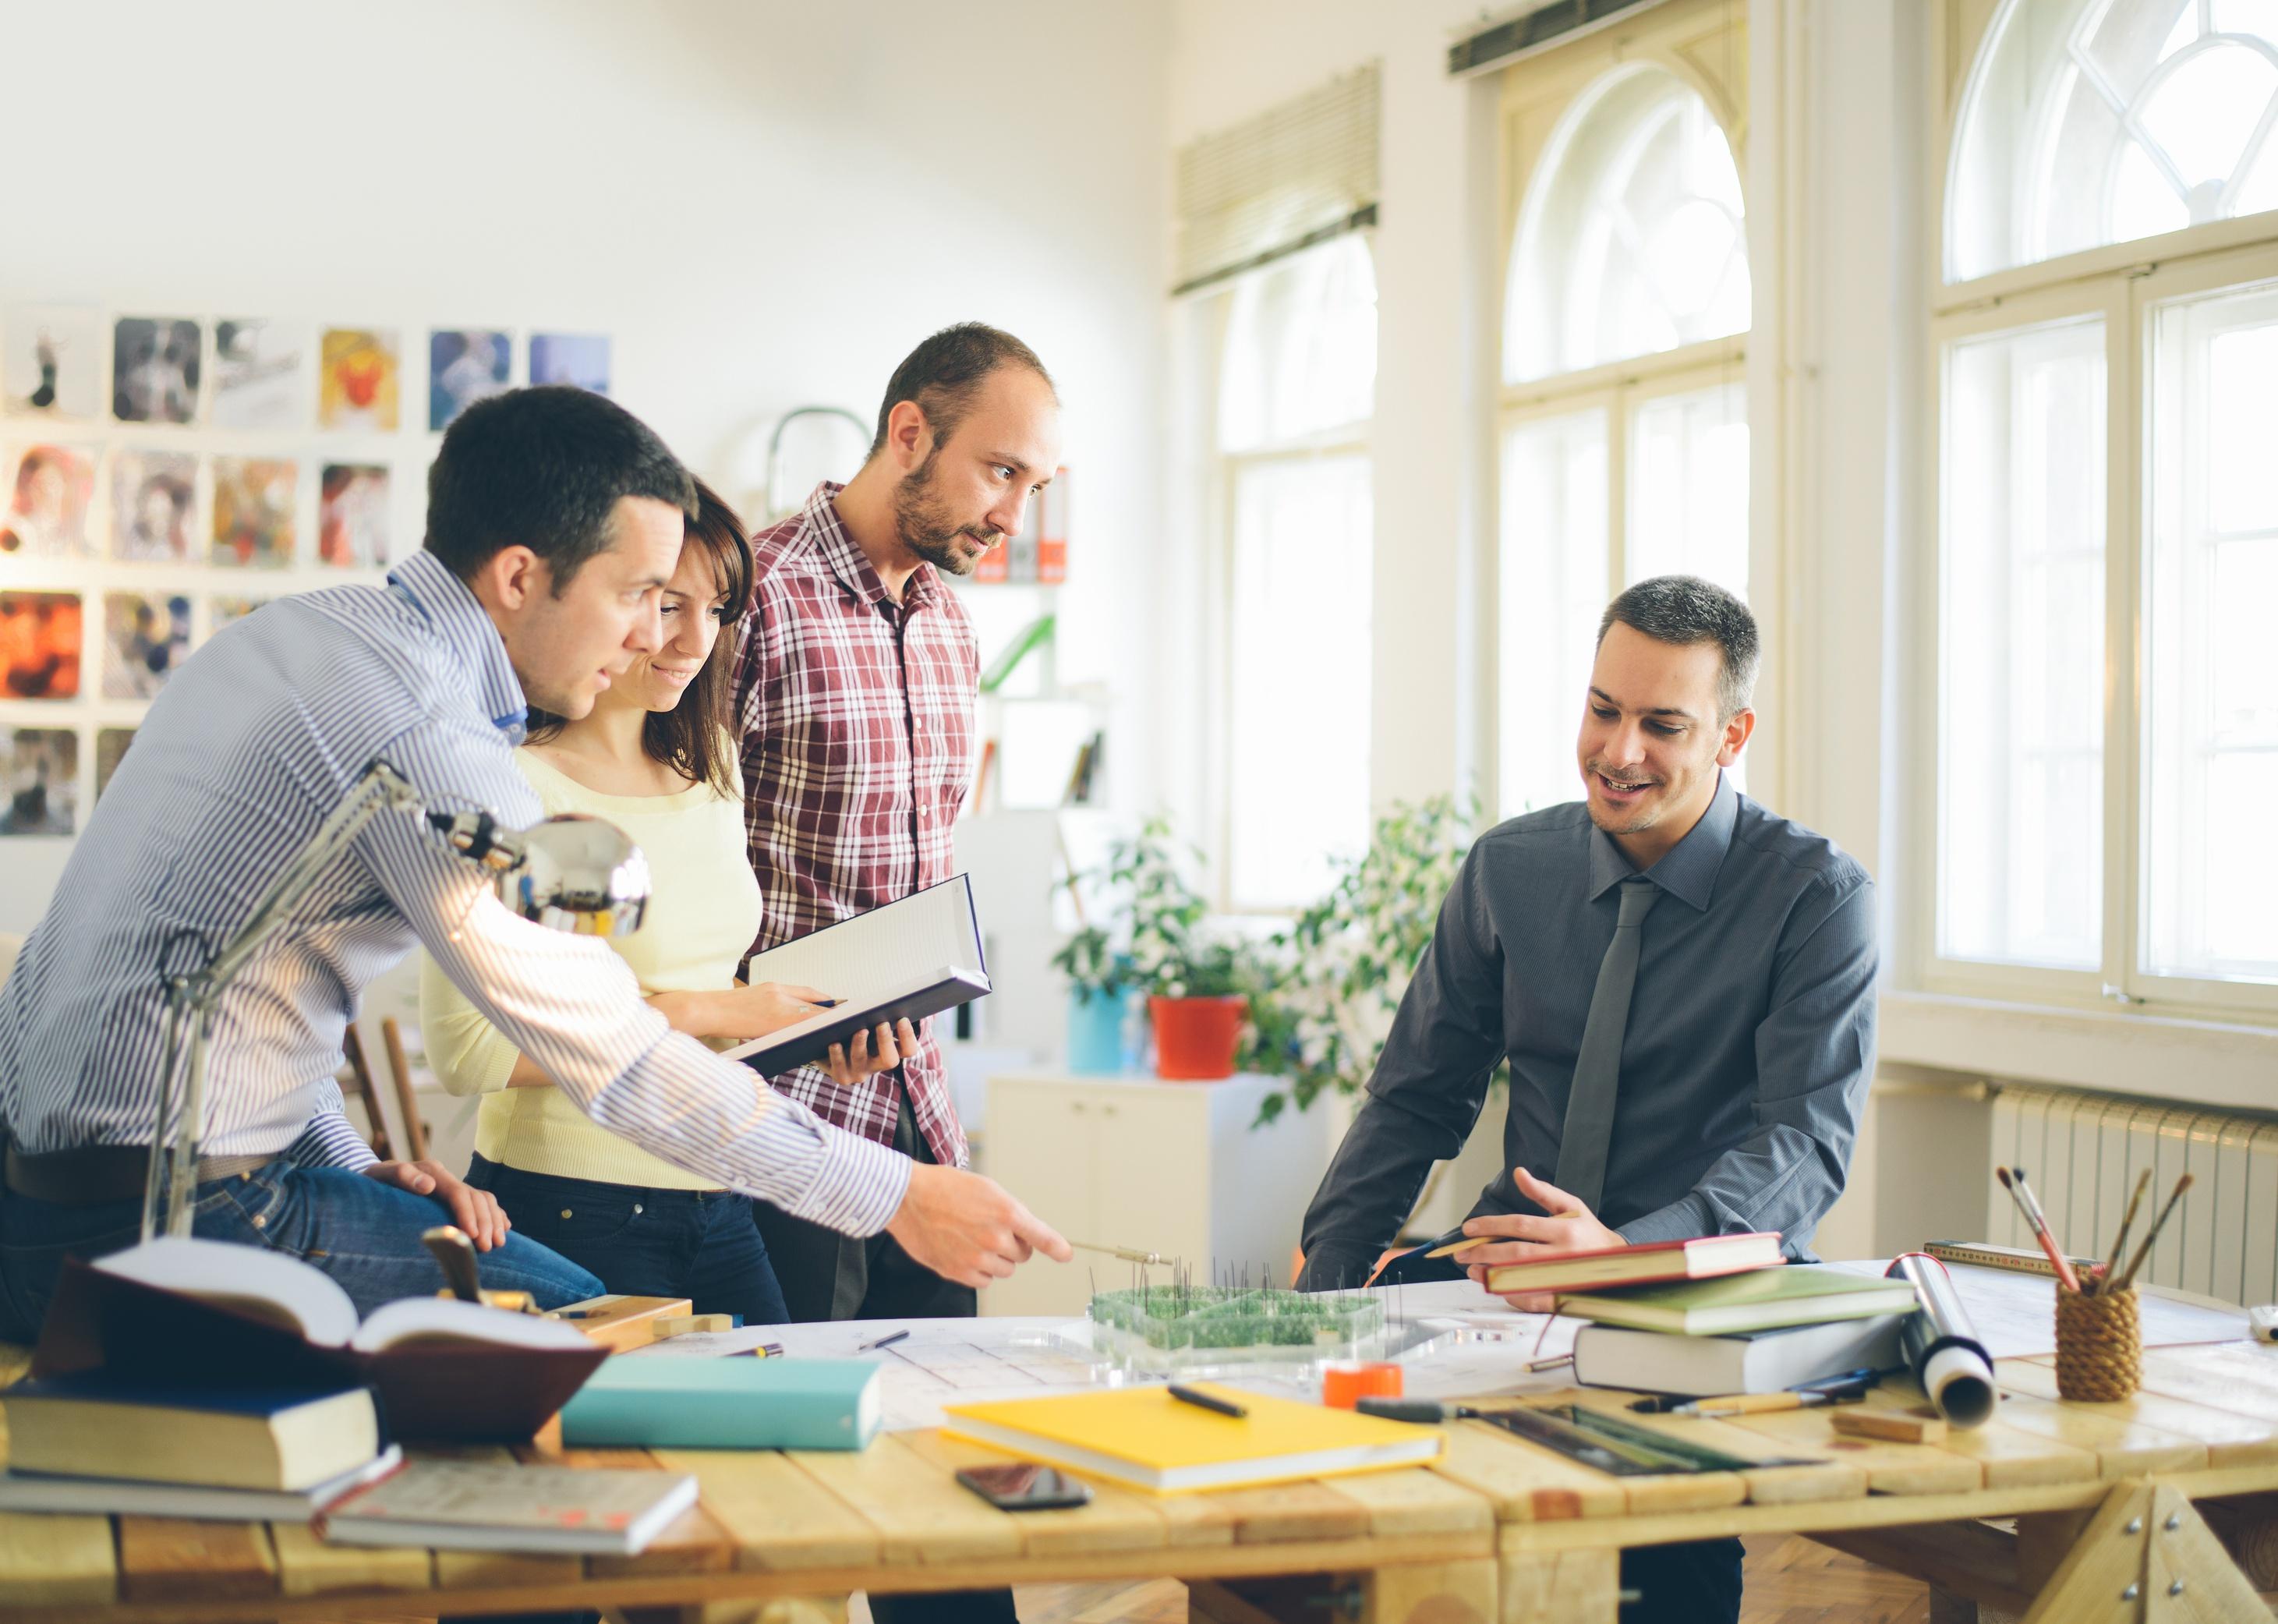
164	475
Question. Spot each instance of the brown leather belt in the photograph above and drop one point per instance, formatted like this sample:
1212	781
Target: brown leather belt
94	1175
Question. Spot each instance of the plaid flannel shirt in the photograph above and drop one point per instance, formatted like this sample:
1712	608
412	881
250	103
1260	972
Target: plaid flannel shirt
856	720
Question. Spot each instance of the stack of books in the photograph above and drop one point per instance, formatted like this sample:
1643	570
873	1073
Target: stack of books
1720	1314
99	1441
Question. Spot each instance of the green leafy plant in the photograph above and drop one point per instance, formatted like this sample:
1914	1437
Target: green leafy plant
1155	939
1341	968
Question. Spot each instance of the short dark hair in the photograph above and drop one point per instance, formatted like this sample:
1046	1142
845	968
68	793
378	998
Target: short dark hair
544	469
1686	609
944	374
696	737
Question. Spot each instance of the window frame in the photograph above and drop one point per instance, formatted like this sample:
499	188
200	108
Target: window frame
1223	486
2123	283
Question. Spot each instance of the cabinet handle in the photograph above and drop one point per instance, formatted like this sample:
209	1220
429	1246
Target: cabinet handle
1107	1110
1076	1106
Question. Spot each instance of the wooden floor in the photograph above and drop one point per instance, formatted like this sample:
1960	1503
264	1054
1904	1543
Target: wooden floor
1789	1582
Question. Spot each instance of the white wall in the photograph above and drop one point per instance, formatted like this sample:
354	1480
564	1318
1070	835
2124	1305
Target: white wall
766	204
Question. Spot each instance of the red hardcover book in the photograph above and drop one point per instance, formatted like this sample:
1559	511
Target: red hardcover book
1656	1261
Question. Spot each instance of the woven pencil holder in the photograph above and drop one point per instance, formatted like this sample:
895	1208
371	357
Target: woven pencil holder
2099	1346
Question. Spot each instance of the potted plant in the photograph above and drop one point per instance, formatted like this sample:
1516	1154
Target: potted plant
1197	986
1342	967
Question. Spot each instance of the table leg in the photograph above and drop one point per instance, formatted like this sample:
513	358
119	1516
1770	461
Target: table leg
1460	1592
2147	1558
1566	1587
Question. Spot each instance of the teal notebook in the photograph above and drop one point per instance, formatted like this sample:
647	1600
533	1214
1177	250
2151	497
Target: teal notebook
735	1402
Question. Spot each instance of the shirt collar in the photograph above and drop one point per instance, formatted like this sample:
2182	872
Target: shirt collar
848	561
427	583
1688	871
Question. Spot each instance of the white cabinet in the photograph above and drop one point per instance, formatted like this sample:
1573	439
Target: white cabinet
1172	1168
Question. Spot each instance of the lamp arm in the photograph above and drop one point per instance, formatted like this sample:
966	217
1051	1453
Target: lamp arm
178	1124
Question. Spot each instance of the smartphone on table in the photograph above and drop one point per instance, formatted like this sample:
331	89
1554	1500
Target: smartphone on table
1019	1486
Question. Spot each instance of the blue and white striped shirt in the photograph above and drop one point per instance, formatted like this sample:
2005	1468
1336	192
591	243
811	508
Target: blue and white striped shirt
245	752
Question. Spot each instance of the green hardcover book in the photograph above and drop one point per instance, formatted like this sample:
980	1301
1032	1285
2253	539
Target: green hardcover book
1800	1294
661	1401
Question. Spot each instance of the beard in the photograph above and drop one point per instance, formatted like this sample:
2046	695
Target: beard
930	530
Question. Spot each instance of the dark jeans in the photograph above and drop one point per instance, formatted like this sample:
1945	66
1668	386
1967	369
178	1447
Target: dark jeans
827	1275
1698	1583
702	1244
362	1233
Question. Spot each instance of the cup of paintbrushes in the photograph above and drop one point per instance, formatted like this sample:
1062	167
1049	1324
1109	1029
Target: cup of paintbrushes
2099	1343
2099	1334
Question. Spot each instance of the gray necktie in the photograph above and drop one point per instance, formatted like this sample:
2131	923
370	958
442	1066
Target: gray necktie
1598	1068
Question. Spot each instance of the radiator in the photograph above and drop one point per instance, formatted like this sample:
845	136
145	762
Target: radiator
2083	1152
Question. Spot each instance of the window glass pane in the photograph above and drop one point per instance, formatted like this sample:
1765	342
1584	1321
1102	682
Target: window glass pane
1553	573
1633	239
2210	893
1688	488
1300	348
2095	122
1298	779
2021	773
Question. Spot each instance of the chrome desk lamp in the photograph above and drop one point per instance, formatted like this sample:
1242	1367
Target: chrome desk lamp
570	873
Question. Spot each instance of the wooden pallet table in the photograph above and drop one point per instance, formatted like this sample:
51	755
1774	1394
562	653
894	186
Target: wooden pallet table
2098	1509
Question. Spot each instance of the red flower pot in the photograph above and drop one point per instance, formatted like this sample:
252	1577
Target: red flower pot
1195	1037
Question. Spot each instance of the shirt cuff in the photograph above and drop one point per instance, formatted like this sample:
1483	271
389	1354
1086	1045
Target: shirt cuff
1686	1218
858	1189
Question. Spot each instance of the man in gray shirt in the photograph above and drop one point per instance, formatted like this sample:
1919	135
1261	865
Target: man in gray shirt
1682	982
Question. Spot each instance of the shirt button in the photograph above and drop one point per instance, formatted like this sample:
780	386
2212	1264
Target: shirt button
565	1212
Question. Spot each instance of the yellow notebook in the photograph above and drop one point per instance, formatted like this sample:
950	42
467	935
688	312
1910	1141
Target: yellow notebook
1142	1436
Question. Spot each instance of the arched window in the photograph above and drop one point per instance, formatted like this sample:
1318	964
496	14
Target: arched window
1297	389
2104	702
2095	121
1632	241
1624	417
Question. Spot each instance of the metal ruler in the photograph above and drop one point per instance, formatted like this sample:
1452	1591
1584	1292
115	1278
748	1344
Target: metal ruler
1608	1443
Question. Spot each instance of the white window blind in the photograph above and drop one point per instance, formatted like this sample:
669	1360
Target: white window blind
1297	173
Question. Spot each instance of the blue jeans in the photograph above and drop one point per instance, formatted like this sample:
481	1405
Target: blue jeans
701	1244
362	1233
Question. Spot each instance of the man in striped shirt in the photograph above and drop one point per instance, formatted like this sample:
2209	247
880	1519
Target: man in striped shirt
554	519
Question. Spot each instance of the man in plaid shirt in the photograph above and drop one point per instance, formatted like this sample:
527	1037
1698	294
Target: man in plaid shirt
855	685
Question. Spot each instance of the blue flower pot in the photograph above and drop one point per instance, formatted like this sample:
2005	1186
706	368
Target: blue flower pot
1095	1033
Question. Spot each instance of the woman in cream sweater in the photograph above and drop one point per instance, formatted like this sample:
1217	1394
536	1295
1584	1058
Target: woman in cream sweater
656	757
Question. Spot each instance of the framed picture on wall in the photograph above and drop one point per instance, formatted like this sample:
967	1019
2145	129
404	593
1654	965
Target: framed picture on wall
39	781
51	361
261	374
156	362
360	381
464	365
49	488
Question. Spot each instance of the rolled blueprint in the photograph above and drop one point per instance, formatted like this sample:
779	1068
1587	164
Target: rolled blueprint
1942	1345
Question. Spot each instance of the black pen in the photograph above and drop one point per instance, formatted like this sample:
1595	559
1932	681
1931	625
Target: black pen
1202	1400
883	1342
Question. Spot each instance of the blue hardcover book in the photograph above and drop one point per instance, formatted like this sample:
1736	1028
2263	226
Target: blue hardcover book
662	1401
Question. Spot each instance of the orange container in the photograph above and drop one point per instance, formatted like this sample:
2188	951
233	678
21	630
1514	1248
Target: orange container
1197	1038
1342	1386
